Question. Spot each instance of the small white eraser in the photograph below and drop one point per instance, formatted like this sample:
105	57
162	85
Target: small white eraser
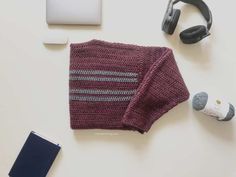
55	38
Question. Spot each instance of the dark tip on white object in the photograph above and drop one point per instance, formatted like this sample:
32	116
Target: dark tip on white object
200	101
231	113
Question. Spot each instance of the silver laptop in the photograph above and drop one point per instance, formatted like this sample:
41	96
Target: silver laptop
84	12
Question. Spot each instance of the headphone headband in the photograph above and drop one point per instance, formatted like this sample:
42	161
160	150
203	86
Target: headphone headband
201	5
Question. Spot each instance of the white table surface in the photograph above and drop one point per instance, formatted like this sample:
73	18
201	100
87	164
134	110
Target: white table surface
34	93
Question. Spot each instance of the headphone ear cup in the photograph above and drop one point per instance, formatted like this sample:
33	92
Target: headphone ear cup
174	20
193	34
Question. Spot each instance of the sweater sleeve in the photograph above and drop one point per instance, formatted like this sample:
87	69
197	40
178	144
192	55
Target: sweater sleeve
161	89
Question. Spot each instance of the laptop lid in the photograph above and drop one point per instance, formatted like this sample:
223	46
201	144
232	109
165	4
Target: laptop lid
84	12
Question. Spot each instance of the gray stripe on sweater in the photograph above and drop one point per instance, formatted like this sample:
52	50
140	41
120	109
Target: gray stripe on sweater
103	72
103	92
101	79
100	99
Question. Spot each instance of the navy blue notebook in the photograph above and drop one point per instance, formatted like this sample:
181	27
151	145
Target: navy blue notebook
35	158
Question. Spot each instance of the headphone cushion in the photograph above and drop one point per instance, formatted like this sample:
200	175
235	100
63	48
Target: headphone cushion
193	34
174	20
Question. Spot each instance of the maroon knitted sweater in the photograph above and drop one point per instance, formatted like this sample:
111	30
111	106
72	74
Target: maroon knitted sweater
122	86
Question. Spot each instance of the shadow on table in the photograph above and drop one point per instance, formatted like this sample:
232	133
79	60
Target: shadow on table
56	47
219	129
131	138
199	53
75	27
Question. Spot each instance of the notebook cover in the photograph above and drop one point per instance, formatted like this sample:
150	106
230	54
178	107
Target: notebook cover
35	158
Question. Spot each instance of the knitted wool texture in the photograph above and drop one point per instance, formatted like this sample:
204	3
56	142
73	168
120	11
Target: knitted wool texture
122	86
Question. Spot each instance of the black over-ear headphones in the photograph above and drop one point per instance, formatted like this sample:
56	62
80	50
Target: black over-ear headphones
193	34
